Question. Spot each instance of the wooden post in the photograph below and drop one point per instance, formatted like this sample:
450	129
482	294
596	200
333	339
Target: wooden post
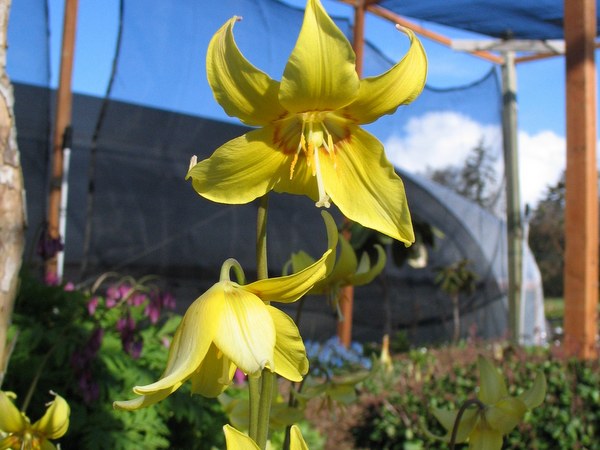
581	210
344	328
62	121
12	200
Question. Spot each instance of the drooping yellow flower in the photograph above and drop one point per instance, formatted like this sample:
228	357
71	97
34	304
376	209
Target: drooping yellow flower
20	434
310	142
236	440
497	413
233	325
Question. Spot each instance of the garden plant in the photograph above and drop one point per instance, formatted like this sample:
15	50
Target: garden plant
233	343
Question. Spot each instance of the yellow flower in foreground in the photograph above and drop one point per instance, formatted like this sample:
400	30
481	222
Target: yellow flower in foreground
496	414
232	325
20	434
310	142
236	440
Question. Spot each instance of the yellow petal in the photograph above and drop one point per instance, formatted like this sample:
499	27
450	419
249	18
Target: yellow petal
191	342
346	263
320	74
237	440
400	85
491	384
246	333
535	396
214	374
365	187
298	261
11	419
55	422
290	355
365	273
296	440
240	88
505	414
242	169
484	438
143	401
290	288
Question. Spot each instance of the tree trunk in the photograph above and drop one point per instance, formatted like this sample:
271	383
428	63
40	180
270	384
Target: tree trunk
12	198
456	318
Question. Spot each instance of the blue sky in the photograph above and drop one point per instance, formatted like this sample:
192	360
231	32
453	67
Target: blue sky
541	84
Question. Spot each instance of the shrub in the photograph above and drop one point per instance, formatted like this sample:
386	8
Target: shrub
395	417
92	350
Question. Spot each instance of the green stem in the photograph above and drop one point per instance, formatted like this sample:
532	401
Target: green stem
264	410
261	388
254	391
36	378
461	411
262	270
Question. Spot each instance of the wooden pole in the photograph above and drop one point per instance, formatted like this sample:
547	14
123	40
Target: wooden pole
581	210
63	120
344	328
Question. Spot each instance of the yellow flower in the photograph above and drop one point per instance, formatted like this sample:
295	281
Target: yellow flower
496	414
236	440
17	431
310	142
347	271
232	325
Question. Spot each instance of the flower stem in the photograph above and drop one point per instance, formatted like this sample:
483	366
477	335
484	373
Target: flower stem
261	388
461	411
262	270
264	410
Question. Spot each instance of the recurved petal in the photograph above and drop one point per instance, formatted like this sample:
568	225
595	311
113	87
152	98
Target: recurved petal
246	333
296	440
242	169
290	354
236	440
55	421
365	186
144	401
240	88
535	396
320	74
491	384
346	263
367	273
191	341
291	287
400	85
11	419
214	374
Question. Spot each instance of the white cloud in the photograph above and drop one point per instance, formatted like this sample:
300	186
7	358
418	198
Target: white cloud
439	139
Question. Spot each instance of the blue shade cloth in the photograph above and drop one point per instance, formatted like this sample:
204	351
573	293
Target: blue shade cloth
519	19
131	153
28	58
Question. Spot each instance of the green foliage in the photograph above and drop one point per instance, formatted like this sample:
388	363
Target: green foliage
395	417
86	358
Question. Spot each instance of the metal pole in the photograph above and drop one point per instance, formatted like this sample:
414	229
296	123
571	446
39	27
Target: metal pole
63	120
514	226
